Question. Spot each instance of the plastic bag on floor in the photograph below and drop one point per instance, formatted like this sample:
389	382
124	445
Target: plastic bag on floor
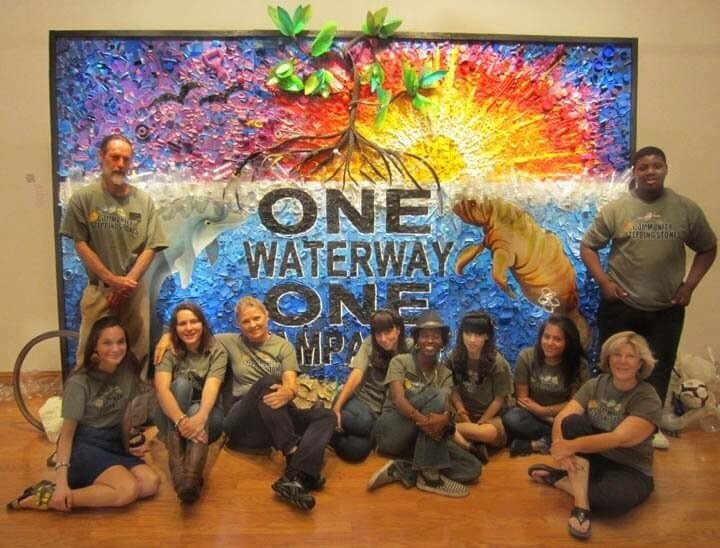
51	418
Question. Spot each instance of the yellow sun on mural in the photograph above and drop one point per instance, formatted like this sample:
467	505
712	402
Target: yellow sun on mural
466	135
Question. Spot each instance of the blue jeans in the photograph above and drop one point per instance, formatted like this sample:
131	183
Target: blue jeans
183	391
398	436
521	423
356	440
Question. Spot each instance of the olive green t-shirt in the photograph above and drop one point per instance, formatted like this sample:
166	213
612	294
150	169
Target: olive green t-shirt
250	362
647	253
99	399
477	394
545	382
200	366
116	229
404	368
372	390
608	406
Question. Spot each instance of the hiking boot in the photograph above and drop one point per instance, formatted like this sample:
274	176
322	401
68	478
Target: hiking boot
292	491
440	485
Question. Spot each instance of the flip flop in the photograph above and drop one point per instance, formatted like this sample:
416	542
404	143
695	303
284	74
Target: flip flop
552	476
582	515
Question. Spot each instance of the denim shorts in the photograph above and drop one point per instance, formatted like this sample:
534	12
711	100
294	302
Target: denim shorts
94	451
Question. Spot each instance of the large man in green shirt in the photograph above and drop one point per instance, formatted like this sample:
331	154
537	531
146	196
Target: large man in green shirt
645	288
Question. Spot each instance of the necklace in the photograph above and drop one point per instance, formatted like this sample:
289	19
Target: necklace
429	379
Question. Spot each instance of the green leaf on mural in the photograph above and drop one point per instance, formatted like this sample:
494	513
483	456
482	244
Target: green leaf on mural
301	18
368	27
384	97
379	17
283	69
324	39
312	83
272	81
286	23
420	101
410	79
377	76
273	13
387	30
292	84
428	80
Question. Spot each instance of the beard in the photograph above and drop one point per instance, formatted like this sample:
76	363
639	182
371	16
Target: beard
117	178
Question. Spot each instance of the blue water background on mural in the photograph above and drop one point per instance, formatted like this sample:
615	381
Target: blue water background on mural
218	286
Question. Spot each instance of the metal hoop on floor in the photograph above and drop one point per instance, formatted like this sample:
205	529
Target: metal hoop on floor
17	392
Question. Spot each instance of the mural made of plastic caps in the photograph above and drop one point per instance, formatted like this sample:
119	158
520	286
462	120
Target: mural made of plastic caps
517	130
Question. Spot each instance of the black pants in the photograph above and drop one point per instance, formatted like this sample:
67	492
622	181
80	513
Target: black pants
613	488
251	424
661	328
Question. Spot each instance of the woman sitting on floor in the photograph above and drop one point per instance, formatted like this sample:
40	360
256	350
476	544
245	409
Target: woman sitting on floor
96	465
482	386
602	439
546	377
187	384
264	369
360	402
416	419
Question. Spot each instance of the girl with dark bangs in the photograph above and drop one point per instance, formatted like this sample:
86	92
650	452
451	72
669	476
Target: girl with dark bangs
187	385
360	402
482	385
546	377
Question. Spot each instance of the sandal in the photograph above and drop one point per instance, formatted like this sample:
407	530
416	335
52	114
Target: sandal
552	476
137	438
582	515
42	491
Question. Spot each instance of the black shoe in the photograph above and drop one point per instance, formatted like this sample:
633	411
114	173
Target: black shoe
479	450
520	448
292	491
312	483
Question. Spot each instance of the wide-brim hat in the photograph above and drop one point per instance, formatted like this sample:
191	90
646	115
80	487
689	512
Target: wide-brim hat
430	320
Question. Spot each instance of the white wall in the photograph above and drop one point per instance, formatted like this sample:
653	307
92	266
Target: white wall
679	110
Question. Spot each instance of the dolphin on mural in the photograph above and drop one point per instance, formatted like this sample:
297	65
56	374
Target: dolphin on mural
192	224
533	255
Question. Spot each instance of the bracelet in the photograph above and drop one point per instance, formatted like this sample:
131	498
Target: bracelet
180	419
62	465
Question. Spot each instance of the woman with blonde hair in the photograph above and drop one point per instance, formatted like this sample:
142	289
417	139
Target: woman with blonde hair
602	439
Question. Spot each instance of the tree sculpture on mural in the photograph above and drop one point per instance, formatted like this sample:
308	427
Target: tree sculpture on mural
345	154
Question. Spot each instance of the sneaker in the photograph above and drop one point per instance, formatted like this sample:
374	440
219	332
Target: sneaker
479	450
660	441
387	474
312	483
292	491
520	448
441	486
